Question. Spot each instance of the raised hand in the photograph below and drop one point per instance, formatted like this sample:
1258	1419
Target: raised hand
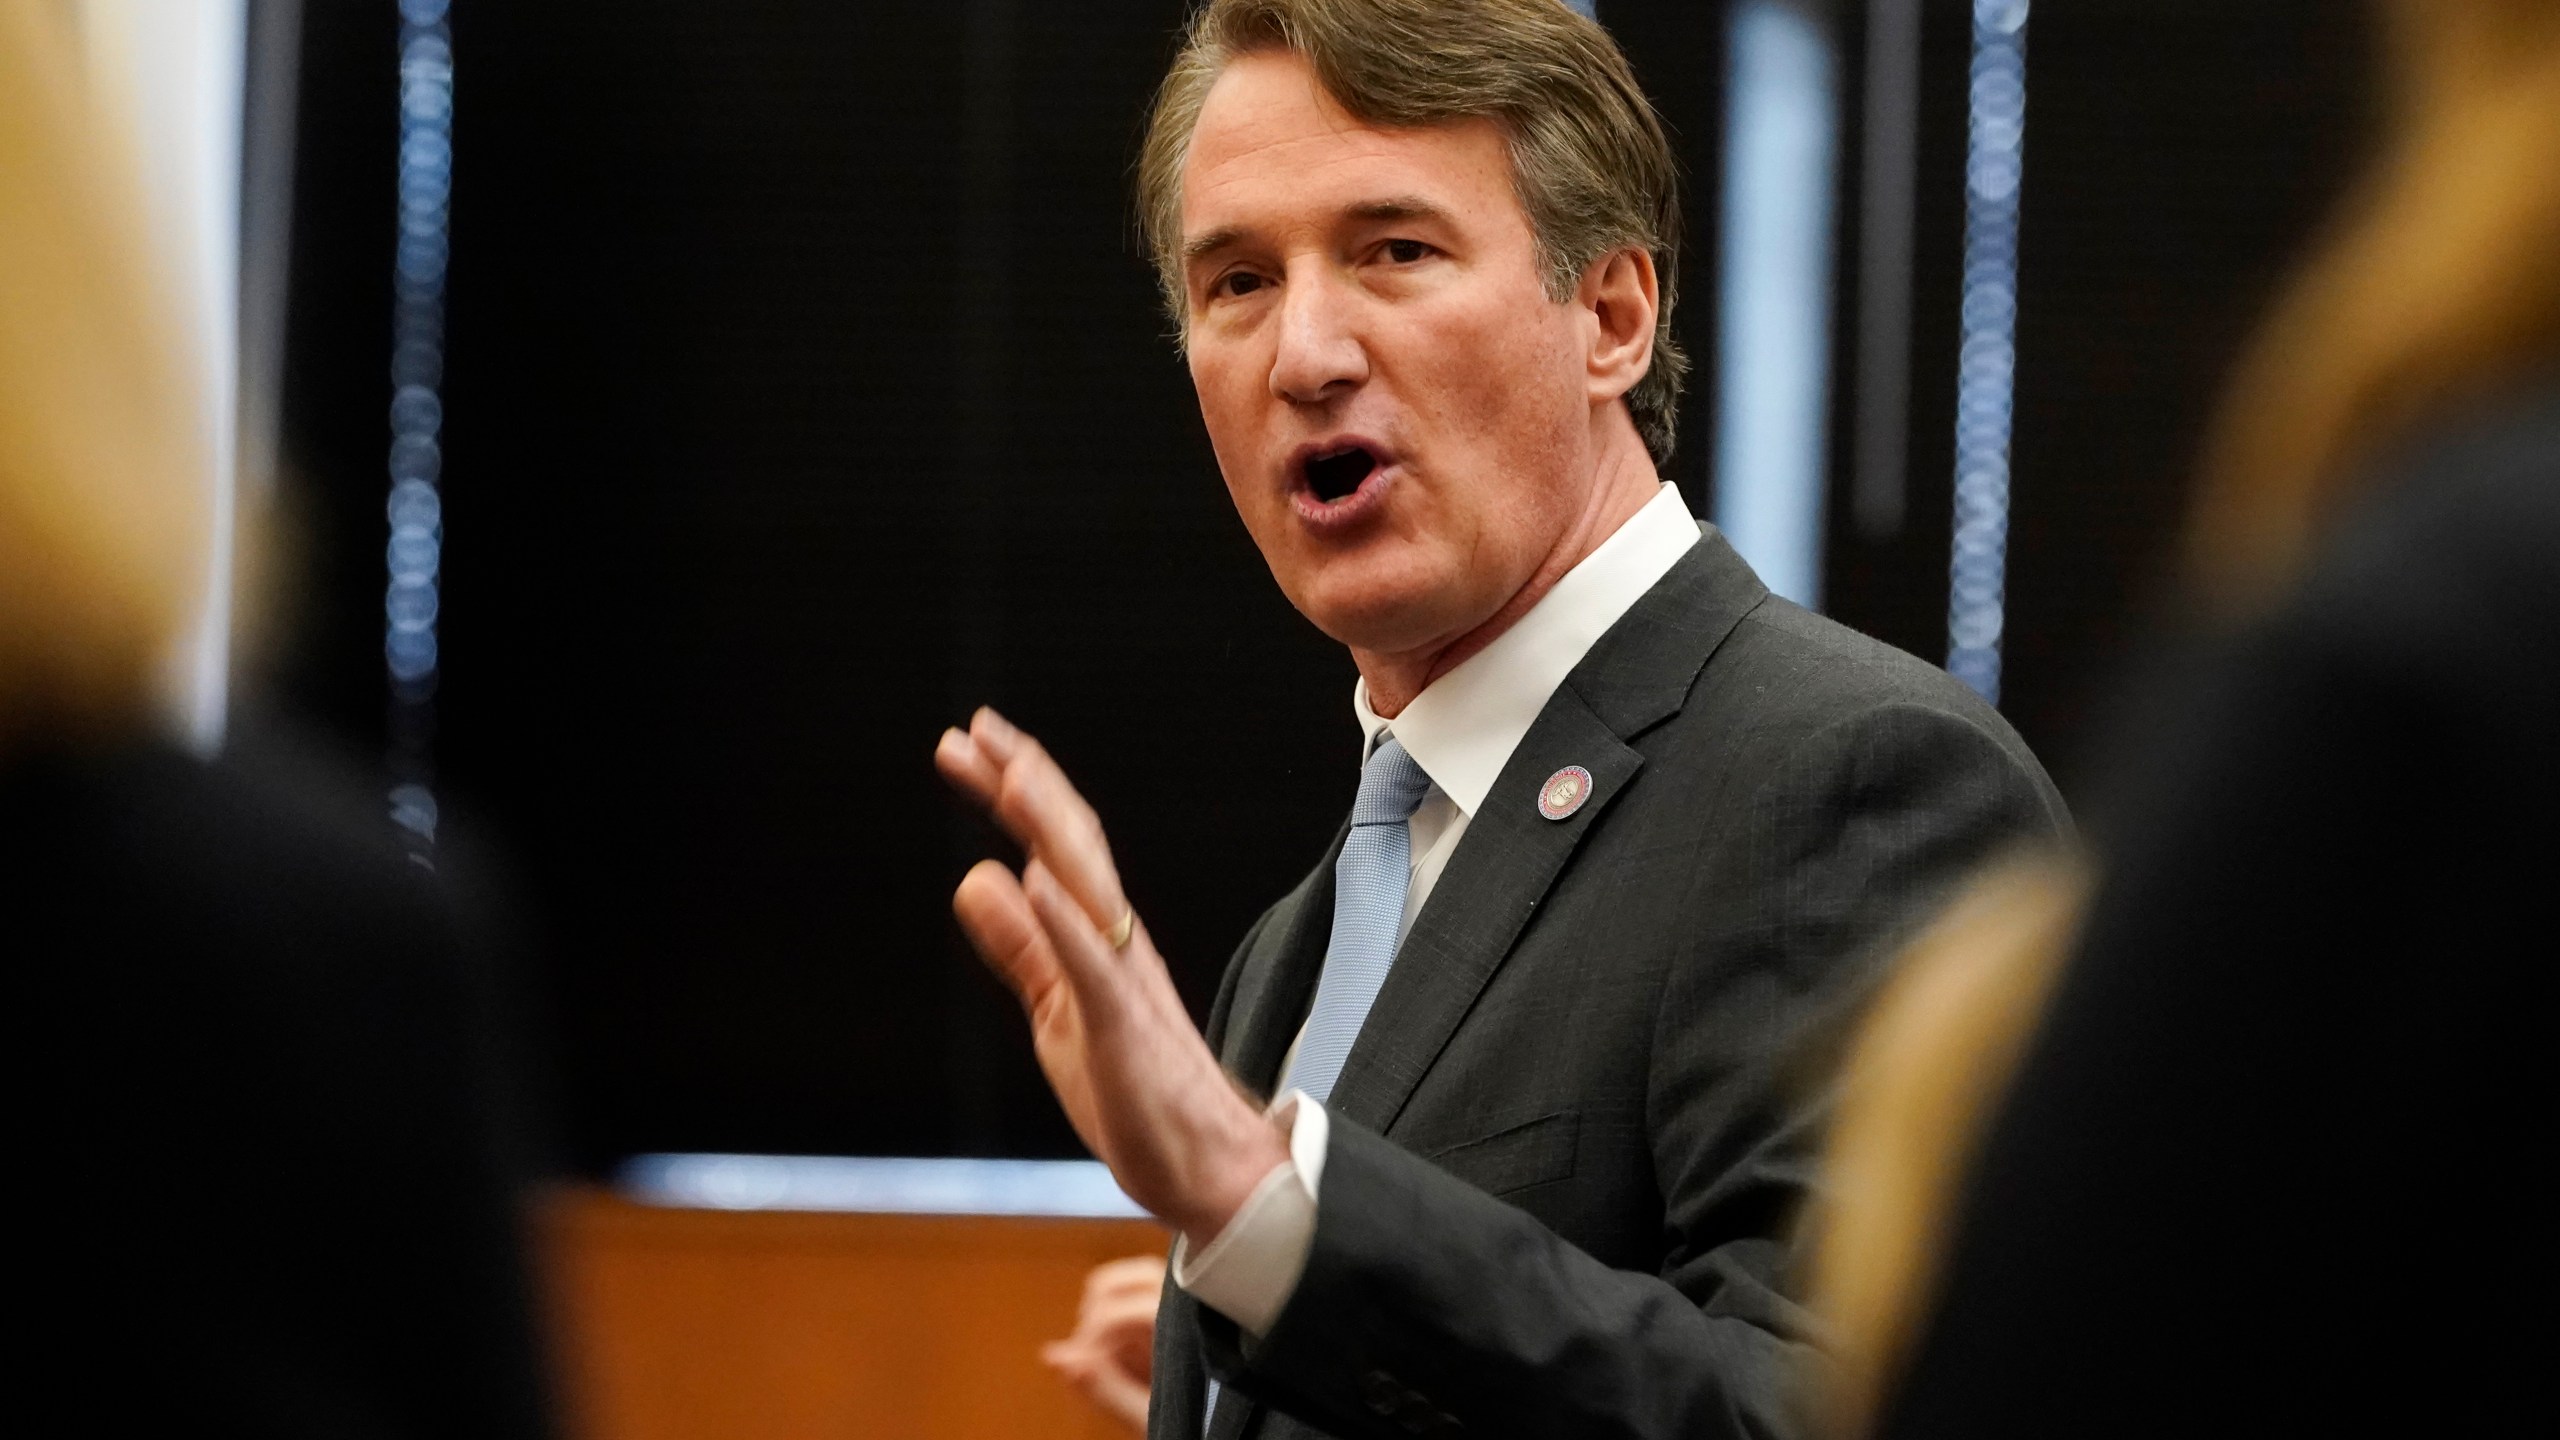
1132	1072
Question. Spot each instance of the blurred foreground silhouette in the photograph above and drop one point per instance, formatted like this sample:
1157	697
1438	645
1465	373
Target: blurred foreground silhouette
272	1134
2217	1128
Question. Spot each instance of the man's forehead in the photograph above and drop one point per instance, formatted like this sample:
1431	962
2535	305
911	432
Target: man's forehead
1271	145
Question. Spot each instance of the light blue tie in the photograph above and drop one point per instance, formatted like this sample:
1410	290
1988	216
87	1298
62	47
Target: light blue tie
1370	882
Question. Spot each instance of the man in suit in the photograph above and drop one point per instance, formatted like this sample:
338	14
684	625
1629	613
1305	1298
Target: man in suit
1628	828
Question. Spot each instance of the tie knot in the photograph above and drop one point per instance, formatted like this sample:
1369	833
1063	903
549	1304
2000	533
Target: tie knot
1392	785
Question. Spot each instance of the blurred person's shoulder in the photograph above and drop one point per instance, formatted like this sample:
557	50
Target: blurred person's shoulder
2431	612
267	890
276	840
247	940
274	1052
2471	503
2447	578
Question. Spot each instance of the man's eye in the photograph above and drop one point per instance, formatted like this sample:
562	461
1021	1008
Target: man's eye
1242	282
1406	252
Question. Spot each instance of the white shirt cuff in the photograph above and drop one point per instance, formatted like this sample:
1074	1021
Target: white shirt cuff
1249	1271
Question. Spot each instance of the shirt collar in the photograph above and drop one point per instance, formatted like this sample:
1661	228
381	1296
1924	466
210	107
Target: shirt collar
1463	727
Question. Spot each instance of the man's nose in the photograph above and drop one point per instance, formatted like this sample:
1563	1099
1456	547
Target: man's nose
1319	358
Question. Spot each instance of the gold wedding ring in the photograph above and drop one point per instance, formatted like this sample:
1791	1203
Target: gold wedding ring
1118	935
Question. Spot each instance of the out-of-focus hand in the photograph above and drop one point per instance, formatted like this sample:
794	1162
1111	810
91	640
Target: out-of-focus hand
1132	1072
1110	1358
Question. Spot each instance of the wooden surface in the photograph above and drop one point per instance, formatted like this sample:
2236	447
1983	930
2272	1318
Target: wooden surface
713	1325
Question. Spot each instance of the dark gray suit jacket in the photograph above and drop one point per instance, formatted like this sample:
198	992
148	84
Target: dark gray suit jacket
1575	1128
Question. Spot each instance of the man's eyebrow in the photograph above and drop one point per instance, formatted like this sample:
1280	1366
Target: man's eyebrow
1400	207
1210	243
1397	207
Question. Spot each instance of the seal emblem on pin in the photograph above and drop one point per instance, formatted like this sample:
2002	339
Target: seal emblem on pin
1564	792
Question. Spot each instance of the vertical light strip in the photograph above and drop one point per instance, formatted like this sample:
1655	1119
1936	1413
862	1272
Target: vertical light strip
1987	365
1773	342
222	58
175	72
416	507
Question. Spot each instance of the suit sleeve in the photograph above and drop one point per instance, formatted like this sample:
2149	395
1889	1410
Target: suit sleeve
1429	1307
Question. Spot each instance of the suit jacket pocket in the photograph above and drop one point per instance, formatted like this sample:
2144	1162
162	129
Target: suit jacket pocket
1516	1157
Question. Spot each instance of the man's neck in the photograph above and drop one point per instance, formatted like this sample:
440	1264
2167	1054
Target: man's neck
1623	483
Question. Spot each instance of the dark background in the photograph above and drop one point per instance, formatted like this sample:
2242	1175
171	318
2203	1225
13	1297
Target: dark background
805	386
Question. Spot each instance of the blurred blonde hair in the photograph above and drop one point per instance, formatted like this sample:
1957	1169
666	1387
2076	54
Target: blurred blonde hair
2440	282
1925	1073
100	519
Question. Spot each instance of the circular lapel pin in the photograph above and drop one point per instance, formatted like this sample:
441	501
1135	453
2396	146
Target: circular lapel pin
1564	792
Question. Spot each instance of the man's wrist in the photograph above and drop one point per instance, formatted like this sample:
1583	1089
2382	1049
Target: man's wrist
1257	1149
1250	1269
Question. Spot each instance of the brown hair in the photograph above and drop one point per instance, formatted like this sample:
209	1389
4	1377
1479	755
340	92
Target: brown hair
2440	282
100	521
1589	158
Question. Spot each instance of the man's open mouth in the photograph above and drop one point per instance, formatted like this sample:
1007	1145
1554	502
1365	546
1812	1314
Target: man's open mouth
1338	473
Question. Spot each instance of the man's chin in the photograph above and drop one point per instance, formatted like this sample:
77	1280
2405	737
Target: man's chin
1383	619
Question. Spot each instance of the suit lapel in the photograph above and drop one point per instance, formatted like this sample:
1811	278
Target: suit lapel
1637	675
1278	980
1510	855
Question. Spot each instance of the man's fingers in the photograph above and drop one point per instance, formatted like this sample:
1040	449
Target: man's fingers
1045	813
1041	809
1086	960
968	766
1002	741
1112	1302
1037	805
1112	1387
1116	1323
1121	1304
1000	922
1125	1329
975	759
1118	1394
1142	1274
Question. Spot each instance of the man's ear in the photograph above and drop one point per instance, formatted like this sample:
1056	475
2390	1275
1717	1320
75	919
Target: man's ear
1624	294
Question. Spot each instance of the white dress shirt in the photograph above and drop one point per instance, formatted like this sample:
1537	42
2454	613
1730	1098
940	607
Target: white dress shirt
1461	730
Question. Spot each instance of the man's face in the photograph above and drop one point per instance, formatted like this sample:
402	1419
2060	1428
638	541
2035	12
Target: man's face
1403	416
